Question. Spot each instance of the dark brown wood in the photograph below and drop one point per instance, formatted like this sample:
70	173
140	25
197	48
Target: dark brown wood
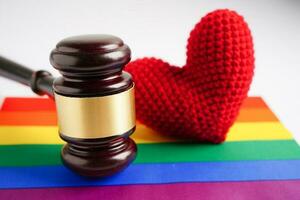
99	157
40	81
91	65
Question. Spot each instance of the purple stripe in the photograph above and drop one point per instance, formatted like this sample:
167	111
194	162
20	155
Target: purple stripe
206	191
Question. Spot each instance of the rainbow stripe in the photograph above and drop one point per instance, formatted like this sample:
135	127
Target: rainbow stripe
259	160
204	191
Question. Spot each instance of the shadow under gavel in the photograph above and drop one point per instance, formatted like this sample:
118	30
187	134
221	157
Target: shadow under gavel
94	101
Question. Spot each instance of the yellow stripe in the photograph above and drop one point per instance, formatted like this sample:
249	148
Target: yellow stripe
48	134
258	131
238	132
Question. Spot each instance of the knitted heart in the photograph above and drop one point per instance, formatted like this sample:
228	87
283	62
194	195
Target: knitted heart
201	100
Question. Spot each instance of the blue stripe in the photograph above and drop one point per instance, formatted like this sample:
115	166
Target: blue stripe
59	176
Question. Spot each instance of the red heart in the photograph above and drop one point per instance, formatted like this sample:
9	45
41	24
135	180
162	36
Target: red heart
201	100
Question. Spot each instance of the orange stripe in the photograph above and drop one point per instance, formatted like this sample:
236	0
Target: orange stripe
45	118
45	104
256	115
42	118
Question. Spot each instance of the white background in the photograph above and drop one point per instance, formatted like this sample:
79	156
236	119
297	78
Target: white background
30	29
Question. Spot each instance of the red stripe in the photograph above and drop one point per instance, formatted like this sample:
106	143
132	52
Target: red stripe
254	102
46	104
48	118
27	104
41	111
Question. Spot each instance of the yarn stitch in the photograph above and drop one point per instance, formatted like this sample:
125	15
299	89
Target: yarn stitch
201	100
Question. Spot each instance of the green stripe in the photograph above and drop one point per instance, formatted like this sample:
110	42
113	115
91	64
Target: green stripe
31	155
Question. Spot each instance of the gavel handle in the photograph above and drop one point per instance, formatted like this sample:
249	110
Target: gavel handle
39	81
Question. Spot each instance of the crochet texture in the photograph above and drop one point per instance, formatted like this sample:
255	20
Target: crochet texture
200	100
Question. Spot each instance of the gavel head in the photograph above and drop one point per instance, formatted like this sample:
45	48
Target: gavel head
95	104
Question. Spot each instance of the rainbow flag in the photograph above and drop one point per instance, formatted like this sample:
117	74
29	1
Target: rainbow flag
259	160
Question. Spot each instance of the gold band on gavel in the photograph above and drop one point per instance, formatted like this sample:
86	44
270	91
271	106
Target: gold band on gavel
96	117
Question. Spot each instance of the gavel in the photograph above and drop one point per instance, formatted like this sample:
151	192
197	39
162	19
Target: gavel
94	101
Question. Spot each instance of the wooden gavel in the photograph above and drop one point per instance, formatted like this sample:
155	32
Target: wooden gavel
94	101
